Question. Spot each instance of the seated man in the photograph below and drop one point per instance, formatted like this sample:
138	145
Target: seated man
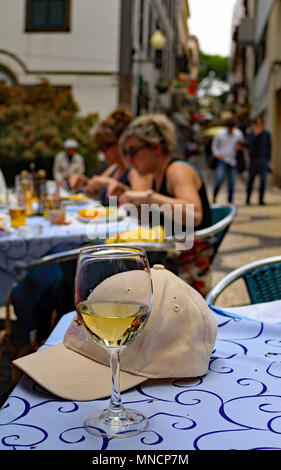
68	162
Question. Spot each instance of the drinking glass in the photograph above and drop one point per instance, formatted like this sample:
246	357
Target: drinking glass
48	204
17	215
113	296
57	216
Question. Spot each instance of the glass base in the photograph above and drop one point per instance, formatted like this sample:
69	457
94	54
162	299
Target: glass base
106	423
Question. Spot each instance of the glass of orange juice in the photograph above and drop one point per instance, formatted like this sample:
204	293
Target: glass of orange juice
17	215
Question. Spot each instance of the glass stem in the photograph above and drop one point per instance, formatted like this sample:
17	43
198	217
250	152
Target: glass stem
115	404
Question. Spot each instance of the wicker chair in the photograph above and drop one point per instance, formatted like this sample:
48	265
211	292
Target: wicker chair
222	218
262	279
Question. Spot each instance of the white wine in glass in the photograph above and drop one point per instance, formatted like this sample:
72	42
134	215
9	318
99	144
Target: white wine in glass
113	296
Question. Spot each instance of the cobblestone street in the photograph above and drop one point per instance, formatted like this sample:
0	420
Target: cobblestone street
254	234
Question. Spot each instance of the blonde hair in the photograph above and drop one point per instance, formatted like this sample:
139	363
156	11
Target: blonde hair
110	129
152	128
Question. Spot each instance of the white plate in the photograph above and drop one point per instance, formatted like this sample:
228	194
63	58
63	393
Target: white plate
121	214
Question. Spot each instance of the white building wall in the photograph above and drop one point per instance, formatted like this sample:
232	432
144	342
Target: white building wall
86	58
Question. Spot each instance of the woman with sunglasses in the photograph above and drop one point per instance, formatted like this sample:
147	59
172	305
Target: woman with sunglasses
148	144
106	139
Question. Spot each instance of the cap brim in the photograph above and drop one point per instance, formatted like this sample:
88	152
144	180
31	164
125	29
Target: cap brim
70	375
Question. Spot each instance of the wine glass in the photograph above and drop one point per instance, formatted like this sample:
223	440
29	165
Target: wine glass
113	296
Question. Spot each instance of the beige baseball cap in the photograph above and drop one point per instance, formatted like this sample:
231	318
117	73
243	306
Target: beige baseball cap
176	342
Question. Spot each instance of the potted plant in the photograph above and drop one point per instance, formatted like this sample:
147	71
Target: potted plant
162	87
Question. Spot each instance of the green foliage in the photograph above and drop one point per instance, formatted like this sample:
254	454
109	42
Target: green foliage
214	64
34	124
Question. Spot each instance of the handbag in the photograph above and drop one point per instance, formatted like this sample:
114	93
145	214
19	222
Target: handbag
241	162
212	162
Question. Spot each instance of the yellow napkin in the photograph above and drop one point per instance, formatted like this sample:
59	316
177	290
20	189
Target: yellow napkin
154	234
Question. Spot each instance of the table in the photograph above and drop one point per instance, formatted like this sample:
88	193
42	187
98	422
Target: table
236	405
15	247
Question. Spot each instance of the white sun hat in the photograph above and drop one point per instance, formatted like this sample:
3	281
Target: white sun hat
70	144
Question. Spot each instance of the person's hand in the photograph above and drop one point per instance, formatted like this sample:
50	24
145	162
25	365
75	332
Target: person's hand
115	188
134	197
76	180
96	184
239	147
219	157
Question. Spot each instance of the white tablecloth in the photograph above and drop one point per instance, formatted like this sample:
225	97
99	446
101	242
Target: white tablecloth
236	405
266	312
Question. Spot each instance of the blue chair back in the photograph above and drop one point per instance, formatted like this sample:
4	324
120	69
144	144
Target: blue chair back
262	279
264	284
218	214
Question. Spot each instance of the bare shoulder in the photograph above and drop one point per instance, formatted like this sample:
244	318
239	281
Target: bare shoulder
180	169
182	175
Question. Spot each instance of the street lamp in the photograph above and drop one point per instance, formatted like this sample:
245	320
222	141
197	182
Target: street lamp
158	42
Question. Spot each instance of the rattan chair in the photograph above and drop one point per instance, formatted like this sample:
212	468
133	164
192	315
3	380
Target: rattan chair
262	279
222	218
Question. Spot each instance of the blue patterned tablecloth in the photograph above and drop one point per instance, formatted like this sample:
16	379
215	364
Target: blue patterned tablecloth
28	246
236	405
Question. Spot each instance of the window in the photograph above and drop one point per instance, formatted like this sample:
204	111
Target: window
47	15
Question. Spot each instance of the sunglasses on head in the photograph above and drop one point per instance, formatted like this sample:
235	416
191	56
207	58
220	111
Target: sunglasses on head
132	151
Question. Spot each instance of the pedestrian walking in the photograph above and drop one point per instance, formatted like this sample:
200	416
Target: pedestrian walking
259	144
225	145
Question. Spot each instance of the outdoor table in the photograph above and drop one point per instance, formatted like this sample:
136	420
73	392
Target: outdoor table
25	247
236	405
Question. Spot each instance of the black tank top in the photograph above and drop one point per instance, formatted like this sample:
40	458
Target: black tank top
206	219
